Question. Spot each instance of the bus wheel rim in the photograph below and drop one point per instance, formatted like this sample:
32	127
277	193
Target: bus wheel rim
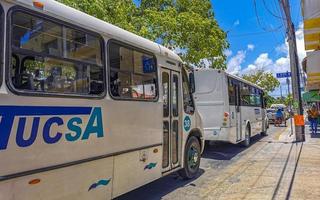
193	157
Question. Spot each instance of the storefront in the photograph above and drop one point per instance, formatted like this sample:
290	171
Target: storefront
311	64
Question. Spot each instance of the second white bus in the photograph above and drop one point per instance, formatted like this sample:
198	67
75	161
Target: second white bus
232	109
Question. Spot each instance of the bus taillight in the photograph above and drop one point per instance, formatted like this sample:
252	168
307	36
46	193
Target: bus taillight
225	118
226	114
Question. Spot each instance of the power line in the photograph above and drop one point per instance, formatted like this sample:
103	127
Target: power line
265	29
271	13
276	6
274	15
259	21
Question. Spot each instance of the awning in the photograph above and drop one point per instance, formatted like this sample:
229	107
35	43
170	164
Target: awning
311	19
311	66
312	96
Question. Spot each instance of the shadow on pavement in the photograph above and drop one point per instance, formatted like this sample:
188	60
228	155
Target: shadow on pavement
315	135
226	151
281	126
161	187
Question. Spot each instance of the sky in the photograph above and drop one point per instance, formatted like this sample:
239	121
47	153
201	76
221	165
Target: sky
256	34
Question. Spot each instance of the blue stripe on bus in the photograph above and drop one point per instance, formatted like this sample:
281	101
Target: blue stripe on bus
43	110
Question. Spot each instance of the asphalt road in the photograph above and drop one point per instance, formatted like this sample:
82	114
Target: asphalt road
215	159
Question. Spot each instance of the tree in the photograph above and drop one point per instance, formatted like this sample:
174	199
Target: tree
288	100
120	12
186	26
263	79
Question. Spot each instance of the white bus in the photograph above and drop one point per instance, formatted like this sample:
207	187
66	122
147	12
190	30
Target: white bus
232	109
88	110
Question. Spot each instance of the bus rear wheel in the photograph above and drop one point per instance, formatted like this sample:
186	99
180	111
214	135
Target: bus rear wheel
192	156
264	132
247	140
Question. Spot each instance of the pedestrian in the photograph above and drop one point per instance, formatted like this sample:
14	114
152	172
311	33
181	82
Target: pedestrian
313	115
279	117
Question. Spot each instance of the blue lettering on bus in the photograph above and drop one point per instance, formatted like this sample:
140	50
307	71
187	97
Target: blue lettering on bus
94	127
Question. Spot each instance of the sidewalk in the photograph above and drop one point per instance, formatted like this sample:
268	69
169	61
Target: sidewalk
306	183
277	169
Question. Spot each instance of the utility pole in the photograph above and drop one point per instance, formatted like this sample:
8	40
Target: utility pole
290	104
294	65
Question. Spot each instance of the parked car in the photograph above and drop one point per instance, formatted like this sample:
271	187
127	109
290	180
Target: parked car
271	115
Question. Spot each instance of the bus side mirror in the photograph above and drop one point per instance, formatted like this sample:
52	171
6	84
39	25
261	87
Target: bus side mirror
192	84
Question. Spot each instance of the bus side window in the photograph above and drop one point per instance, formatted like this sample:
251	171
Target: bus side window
188	103
55	59
245	95
232	92
133	73
258	98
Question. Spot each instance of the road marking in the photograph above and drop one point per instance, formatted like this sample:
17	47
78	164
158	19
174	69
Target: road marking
279	133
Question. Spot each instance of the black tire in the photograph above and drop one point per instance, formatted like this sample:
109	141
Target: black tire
192	157
247	140
264	133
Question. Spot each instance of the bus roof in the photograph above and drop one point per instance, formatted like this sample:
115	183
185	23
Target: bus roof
71	15
230	75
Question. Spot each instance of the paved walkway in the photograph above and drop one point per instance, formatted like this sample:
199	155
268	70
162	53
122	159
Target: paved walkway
279	169
306	184
264	173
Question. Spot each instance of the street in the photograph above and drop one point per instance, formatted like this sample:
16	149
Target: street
265	170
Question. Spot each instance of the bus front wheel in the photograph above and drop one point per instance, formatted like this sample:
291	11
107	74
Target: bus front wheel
192	156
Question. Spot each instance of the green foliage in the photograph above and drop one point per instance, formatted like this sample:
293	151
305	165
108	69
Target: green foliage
187	25
284	100
120	12
265	80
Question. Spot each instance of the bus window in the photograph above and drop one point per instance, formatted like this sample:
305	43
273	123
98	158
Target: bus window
258	95
54	59
165	159
1	42
165	89
78	45
253	99
175	96
175	141
133	74
245	95
232	92
188	103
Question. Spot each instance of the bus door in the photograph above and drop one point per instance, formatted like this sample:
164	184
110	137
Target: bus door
171	83
238	111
